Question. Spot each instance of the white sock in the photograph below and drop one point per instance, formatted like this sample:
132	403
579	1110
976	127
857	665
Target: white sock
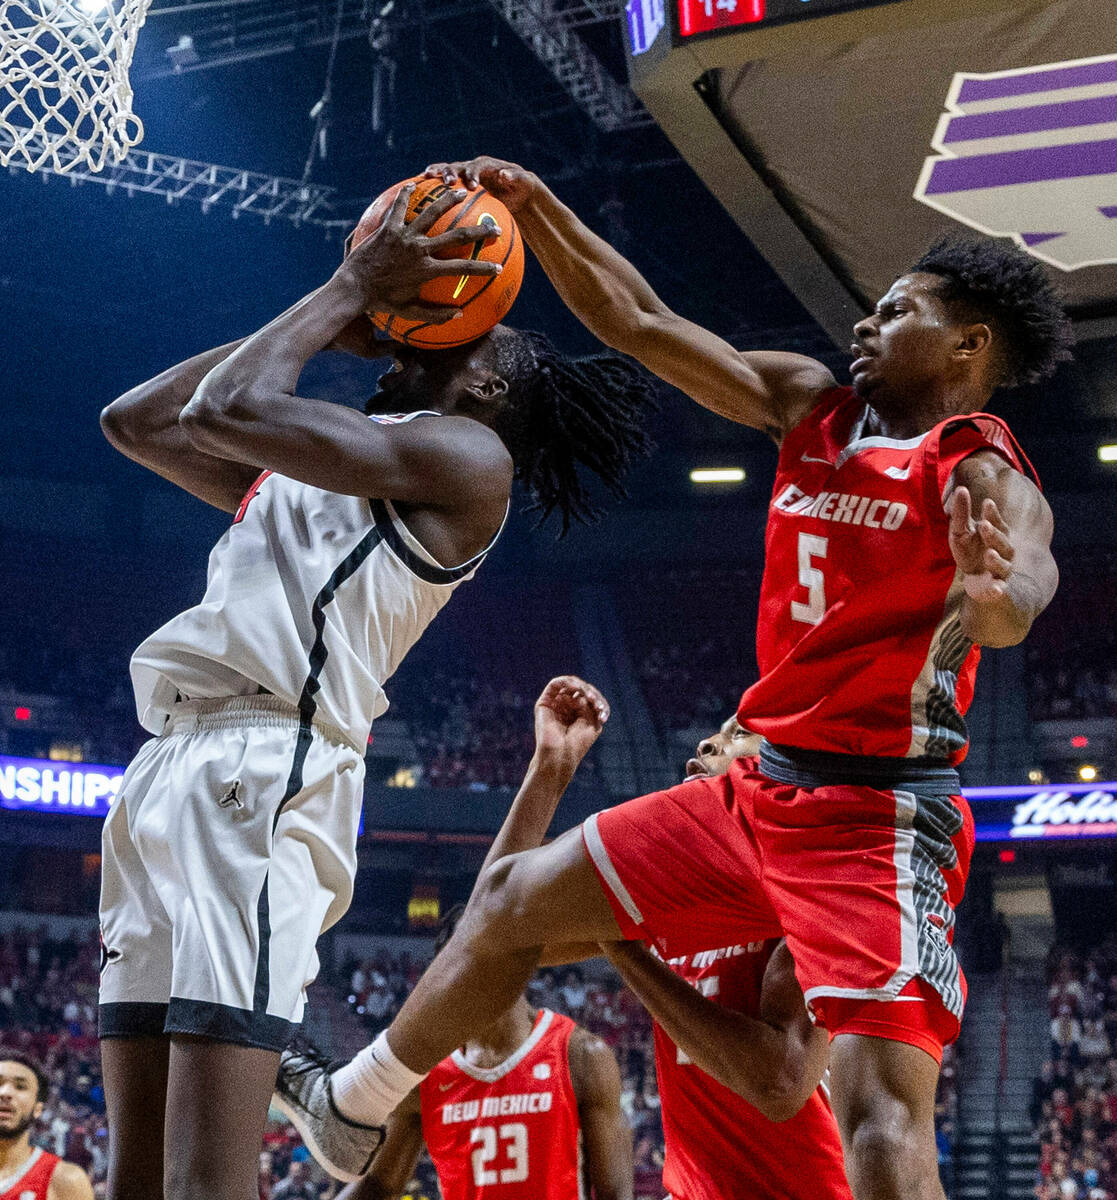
372	1084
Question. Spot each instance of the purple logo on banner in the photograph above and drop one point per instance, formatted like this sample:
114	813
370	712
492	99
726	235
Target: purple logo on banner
646	18
1032	153
45	786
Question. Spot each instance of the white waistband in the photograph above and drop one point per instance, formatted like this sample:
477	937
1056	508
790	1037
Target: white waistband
232	712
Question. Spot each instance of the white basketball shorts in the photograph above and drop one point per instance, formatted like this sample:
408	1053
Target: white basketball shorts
230	847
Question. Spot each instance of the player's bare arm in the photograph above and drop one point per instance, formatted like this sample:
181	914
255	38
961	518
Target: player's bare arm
1000	535
606	1137
69	1182
773	1061
569	717
143	424
768	390
246	408
394	1164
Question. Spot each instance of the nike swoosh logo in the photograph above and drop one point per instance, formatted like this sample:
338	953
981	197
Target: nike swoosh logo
825	461
445	1087
488	220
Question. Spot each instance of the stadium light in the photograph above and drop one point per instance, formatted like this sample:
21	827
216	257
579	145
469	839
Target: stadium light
1087	773
717	475
1107	454
1036	775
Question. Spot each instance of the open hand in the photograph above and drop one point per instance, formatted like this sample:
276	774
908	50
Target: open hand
390	266
569	716
982	547
509	183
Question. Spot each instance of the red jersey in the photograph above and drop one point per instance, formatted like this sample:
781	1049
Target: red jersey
719	1147
859	637
31	1181
509	1132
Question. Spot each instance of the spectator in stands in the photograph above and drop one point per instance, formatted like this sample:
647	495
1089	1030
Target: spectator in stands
297	1185
265	1176
1066	1034
1094	1043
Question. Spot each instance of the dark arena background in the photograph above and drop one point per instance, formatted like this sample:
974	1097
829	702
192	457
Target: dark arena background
769	168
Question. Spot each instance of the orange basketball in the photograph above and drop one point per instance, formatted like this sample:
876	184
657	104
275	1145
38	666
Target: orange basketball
484	300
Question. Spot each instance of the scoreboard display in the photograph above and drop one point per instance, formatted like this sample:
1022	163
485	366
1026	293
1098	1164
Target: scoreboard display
712	16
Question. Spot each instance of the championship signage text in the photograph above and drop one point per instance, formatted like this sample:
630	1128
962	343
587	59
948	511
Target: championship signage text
42	785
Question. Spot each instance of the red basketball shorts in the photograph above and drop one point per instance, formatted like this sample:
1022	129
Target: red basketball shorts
862	882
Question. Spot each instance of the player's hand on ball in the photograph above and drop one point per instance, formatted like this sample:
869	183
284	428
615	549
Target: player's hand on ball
509	183
569	716
389	266
981	546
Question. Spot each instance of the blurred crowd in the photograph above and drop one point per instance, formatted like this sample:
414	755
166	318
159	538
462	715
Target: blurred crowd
1072	651
47	985
469	731
1074	1098
693	672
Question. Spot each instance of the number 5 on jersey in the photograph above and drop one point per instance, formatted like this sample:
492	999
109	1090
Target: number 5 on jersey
513	1142
811	546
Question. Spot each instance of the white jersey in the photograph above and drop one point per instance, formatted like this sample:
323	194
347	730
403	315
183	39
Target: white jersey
313	596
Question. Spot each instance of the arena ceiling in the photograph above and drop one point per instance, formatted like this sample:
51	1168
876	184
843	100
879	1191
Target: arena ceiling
844	145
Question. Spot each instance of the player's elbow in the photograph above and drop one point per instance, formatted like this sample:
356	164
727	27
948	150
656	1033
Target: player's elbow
780	1104
778	1092
116	425
127	421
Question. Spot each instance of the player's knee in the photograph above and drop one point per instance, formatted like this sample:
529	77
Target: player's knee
498	909
886	1153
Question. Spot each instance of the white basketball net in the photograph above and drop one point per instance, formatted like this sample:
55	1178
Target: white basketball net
64	92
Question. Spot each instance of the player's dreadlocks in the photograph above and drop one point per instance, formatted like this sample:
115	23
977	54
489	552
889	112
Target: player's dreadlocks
562	413
1005	288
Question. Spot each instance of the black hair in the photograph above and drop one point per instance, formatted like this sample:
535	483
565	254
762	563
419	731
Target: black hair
1007	289
447	926
33	1065
561	414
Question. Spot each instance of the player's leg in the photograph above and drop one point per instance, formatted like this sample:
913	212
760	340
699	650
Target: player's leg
672	864
134	1072
522	903
883	1094
883	978
217	1105
257	857
135	986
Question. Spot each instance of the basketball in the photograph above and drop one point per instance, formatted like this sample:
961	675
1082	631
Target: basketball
483	300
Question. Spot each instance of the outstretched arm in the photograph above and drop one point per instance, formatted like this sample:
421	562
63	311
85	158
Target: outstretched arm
569	716
394	1164
1004	552
774	1060
768	390
606	1137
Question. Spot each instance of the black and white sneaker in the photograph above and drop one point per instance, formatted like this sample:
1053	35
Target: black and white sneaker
342	1147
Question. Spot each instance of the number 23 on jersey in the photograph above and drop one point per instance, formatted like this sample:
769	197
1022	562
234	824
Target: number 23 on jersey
500	1154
